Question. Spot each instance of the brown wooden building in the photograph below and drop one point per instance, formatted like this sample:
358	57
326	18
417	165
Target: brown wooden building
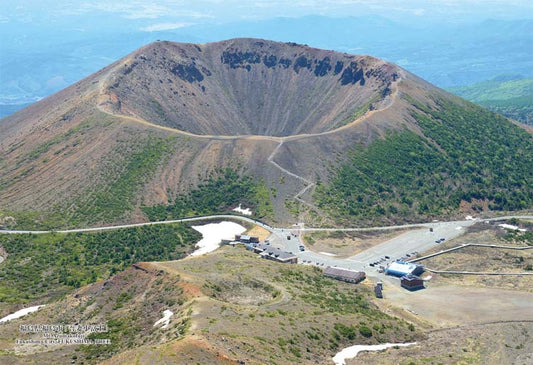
412	282
350	276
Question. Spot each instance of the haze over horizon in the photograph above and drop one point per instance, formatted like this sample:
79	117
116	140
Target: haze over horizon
48	45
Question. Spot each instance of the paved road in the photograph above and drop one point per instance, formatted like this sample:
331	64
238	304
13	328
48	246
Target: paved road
414	225
182	220
419	239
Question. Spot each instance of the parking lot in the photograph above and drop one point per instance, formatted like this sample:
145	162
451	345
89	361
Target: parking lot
404	246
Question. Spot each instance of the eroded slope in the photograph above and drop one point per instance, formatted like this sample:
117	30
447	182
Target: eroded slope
246	87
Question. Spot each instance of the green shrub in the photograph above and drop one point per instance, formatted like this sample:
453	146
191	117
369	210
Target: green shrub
365	331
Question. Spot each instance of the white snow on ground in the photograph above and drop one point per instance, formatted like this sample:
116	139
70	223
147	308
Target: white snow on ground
514	228
165	320
245	211
327	254
214	233
21	313
352	351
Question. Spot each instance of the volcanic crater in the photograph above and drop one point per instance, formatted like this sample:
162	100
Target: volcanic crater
246	87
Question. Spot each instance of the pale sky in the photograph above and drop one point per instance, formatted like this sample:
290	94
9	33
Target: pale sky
178	13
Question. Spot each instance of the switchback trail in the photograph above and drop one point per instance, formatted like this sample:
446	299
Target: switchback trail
310	184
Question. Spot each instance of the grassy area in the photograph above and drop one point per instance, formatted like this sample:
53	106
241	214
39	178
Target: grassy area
221	192
33	220
467	154
519	108
44	266
285	313
484	259
129	303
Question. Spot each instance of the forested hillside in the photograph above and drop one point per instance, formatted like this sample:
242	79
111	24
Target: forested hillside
42	267
509	96
466	155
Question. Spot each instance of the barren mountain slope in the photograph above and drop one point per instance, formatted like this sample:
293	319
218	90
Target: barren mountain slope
167	118
246	86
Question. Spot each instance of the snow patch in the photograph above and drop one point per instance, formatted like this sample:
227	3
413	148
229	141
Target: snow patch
21	313
352	351
245	211
214	233
165	320
511	227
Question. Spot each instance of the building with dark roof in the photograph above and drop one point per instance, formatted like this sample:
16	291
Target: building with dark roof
246	239
412	282
350	276
275	254
258	247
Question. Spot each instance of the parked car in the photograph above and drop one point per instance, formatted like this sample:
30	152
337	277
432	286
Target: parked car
302	248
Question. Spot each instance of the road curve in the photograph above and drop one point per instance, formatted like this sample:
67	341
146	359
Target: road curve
249	220
181	220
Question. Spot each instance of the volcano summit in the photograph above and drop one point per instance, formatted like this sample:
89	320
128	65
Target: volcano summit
293	132
246	87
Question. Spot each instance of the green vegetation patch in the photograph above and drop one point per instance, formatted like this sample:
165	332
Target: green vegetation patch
519	108
50	265
116	194
499	88
221	192
510	97
466	154
515	236
322	292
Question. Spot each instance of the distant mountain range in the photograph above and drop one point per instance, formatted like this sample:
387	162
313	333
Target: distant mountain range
34	65
293	132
